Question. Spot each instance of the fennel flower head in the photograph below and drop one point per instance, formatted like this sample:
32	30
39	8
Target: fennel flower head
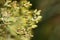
17	20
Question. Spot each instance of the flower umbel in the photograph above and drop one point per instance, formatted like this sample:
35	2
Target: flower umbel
18	20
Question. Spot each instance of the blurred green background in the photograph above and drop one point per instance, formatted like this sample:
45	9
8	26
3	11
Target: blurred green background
49	27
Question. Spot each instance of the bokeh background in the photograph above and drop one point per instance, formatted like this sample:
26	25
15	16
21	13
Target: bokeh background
49	27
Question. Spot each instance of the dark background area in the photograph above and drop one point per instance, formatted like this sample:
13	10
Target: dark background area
49	27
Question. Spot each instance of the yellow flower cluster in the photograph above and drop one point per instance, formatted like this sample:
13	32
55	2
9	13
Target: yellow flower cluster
18	20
